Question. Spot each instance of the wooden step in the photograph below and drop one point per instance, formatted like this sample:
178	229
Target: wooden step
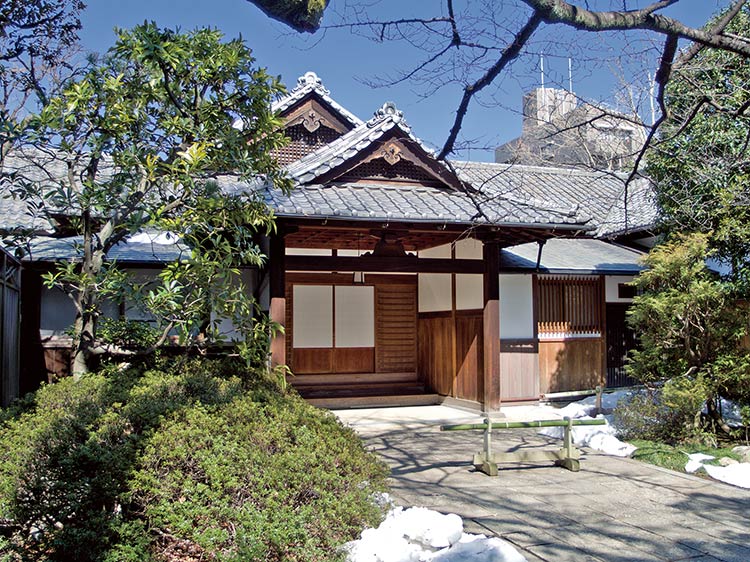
352	378
376	401
335	391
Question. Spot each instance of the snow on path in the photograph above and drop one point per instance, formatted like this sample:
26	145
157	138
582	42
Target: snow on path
418	534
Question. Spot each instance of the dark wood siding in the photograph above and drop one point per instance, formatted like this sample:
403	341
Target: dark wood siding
469	344
435	345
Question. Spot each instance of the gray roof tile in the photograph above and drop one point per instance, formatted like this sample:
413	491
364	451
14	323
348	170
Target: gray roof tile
579	255
597	194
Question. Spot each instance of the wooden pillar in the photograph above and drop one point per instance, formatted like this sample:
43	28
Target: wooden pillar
277	288
491	325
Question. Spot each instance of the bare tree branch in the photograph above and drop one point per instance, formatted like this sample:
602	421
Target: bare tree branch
510	53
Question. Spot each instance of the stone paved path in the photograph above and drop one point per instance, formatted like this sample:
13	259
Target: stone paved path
612	510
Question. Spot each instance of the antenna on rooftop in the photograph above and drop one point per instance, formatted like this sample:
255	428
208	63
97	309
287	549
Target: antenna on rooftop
541	66
570	75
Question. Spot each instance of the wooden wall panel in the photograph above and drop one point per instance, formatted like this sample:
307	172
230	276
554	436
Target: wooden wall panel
312	360
354	359
573	364
469	363
396	328
435	345
519	370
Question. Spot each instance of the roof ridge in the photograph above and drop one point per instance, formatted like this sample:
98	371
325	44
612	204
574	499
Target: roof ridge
543	169
311	82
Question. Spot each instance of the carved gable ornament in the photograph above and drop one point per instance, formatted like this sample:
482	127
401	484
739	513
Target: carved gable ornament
391	153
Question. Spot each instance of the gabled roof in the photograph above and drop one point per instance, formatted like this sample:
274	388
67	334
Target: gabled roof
388	122
319	193
309	84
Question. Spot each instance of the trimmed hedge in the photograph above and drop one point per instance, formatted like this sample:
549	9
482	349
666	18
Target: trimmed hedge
180	462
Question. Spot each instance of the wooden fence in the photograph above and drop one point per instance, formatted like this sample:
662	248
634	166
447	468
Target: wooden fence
10	302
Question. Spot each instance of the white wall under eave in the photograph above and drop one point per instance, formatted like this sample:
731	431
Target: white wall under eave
468	249
611	283
434	291
516	307
469	291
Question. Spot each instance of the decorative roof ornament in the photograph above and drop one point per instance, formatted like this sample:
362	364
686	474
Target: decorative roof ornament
389	110
312	80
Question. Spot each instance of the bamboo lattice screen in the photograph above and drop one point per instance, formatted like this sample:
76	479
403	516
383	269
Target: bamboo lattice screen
570	305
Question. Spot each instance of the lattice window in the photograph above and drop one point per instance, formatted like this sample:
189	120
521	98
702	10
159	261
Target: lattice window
303	142
379	169
570	305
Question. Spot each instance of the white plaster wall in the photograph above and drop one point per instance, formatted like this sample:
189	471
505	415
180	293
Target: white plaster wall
610	287
516	307
307	252
226	326
443	251
313	315
469	291
148	277
434	291
350	253
469	249
57	313
355	316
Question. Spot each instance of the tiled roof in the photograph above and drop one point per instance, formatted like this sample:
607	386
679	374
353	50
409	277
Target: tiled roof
592	193
578	255
642	210
307	83
141	251
397	202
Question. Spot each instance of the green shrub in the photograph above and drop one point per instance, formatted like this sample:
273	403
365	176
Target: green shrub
127	334
188	456
639	417
261	478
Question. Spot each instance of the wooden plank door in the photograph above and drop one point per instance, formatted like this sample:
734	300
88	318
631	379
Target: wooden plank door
396	328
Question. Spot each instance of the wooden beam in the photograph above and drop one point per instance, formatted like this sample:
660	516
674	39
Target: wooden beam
408	264
491	325
277	289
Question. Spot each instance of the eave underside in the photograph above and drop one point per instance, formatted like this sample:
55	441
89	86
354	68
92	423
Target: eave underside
360	235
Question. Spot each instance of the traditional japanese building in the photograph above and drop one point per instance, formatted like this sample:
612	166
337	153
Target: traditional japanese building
400	278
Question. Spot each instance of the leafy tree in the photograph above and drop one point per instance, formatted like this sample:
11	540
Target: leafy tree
37	38
690	327
138	141
702	165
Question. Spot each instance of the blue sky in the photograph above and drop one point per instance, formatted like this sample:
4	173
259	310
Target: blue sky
345	61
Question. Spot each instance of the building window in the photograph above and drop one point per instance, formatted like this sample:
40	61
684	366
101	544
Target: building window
570	306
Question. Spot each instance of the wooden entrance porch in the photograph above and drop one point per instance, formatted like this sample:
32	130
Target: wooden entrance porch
453	351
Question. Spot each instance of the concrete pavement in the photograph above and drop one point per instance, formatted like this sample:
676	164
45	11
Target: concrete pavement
612	510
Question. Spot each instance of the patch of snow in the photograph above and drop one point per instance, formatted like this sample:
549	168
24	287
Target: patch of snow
610	400
695	462
418	534
599	437
734	474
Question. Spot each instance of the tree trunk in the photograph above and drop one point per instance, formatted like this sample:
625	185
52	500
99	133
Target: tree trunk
85	332
716	416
